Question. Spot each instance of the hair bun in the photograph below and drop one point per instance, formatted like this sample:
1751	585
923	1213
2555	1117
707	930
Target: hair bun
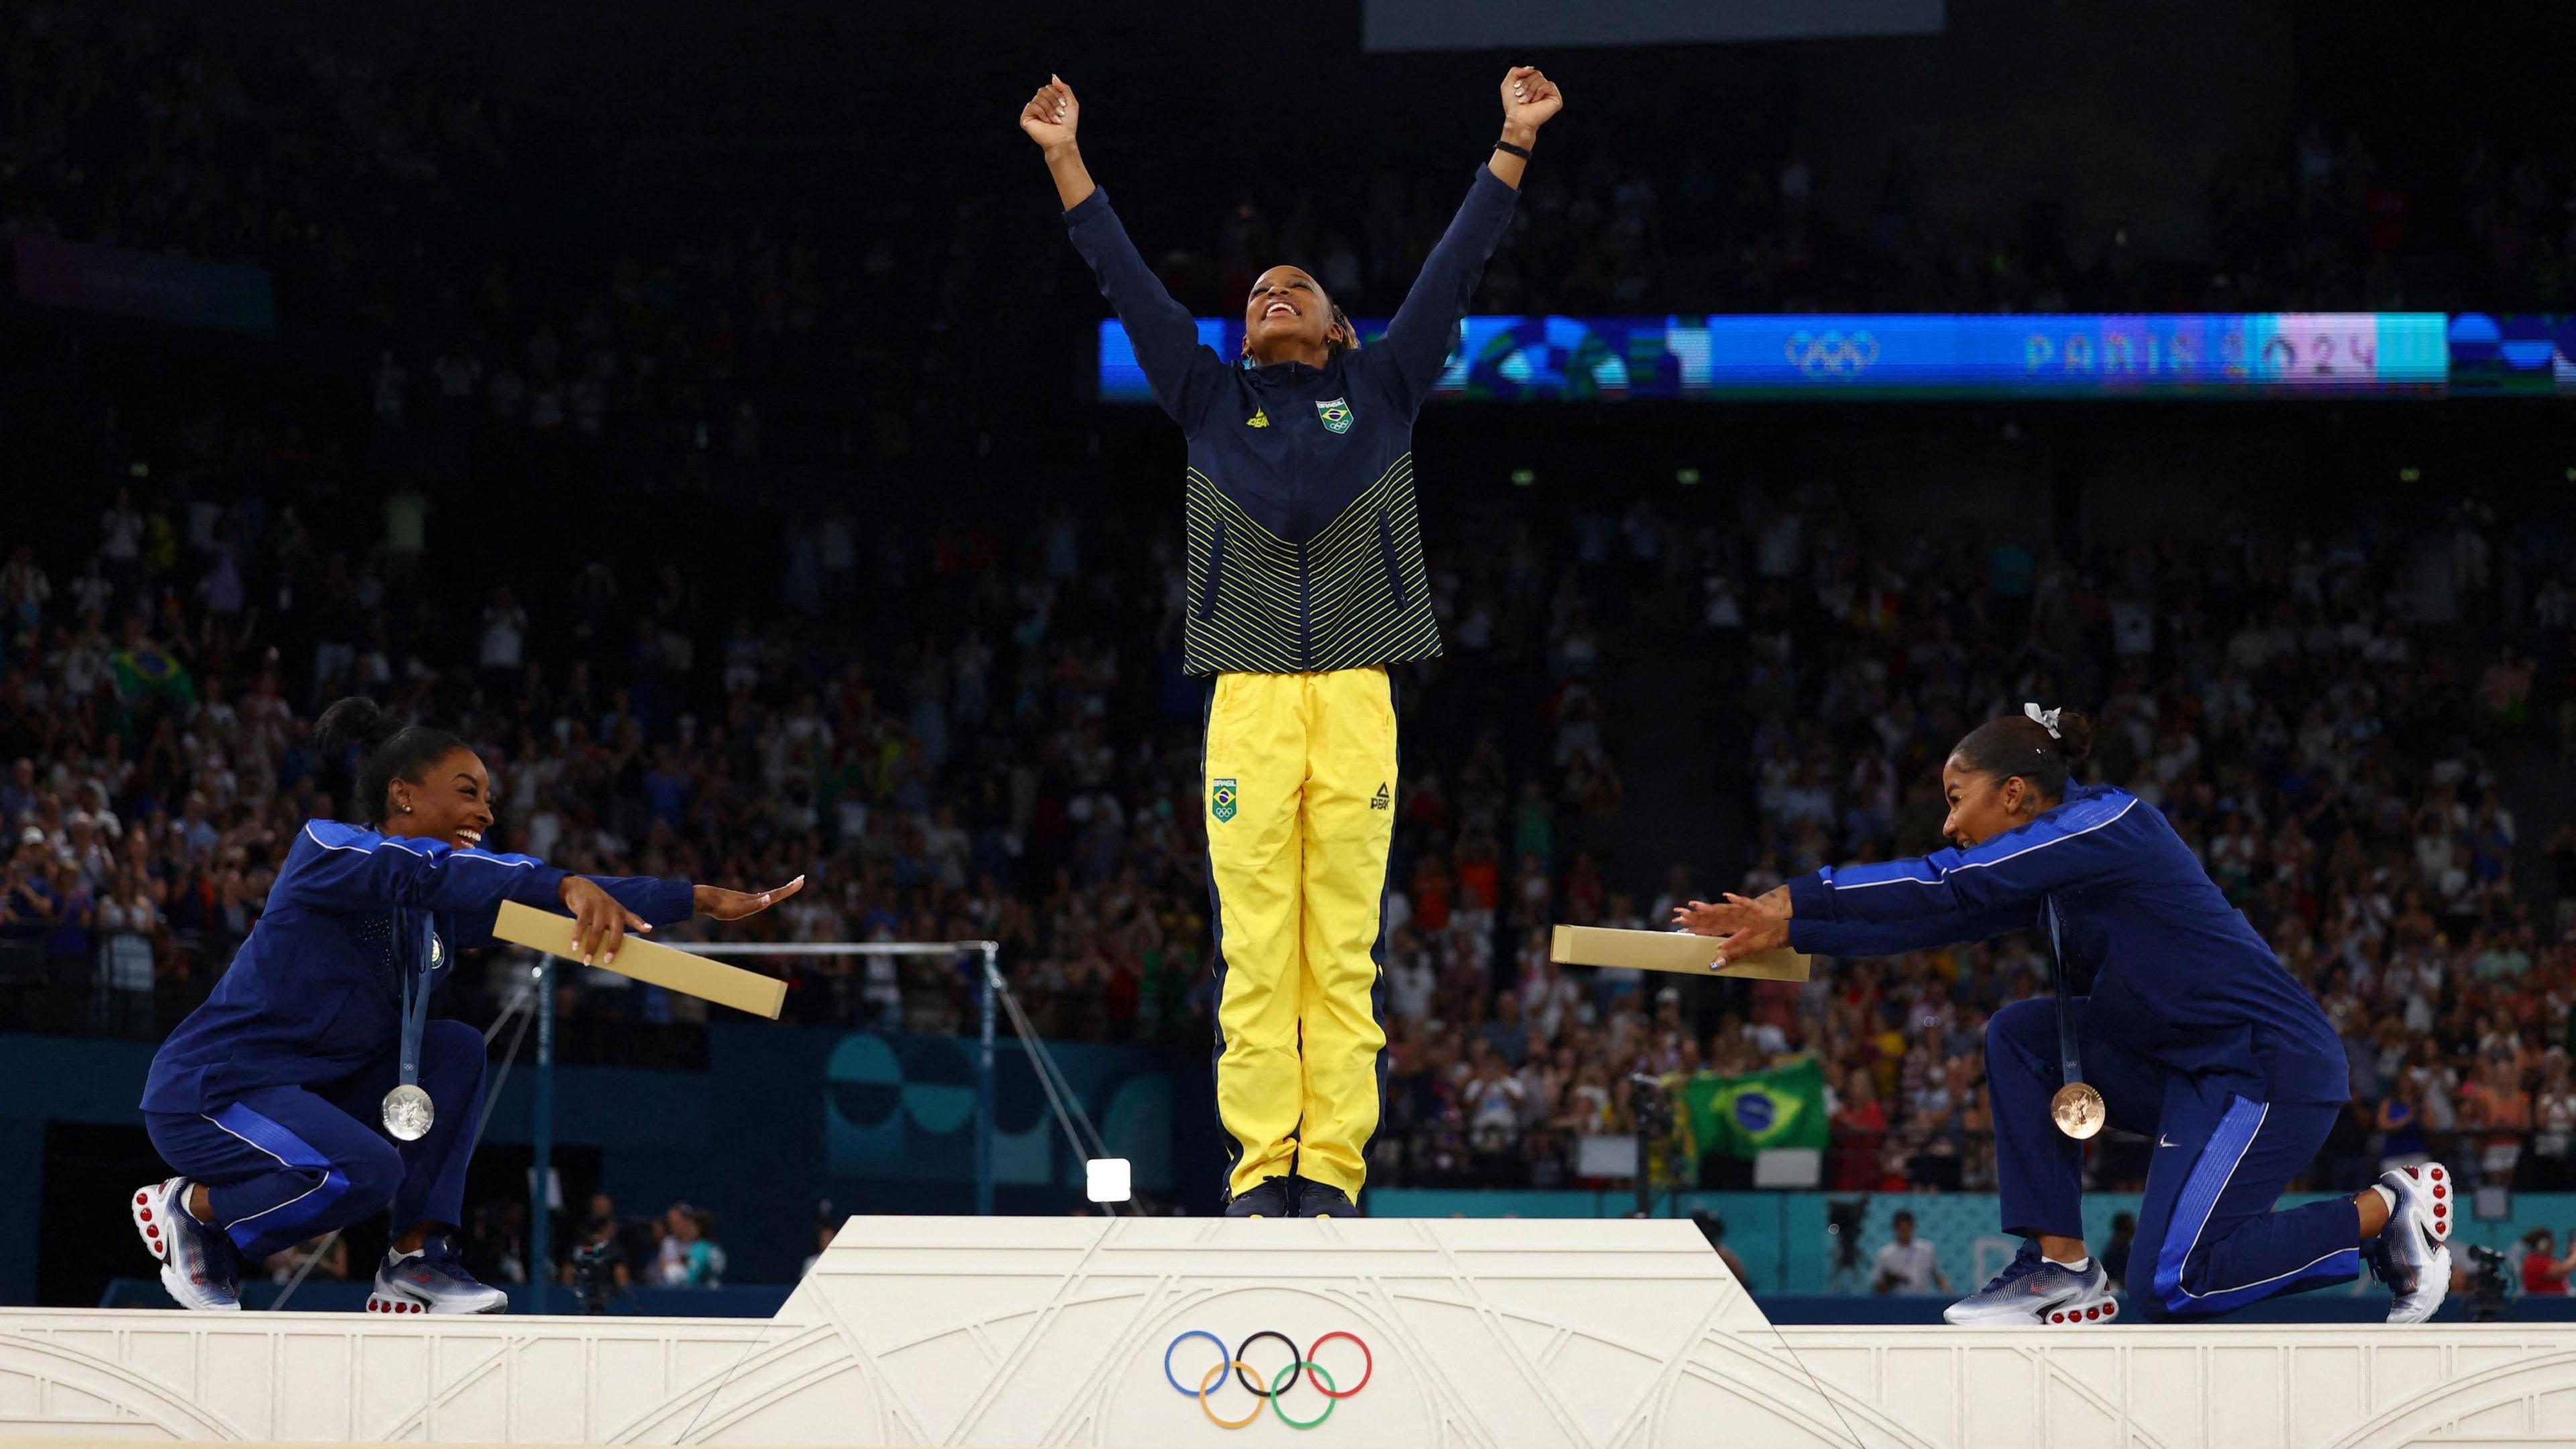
2074	736
355	722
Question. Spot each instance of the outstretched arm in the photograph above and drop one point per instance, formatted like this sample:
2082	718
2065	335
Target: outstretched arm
1934	900
1751	926
1183	374
1417	337
604	908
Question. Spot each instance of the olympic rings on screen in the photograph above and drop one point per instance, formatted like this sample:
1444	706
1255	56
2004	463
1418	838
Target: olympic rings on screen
1215	1372
1315	1374
1254	1384
1831	353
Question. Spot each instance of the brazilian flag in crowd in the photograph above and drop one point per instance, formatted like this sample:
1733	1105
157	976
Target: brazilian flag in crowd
149	669
1739	1116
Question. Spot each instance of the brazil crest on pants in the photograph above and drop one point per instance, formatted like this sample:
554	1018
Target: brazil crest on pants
1336	414
1221	799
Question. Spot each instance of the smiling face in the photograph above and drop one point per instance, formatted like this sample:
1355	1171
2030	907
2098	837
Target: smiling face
450	801
1288	318
1983	805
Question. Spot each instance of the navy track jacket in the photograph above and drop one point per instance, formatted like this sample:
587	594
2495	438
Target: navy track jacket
2177	974
316	992
1305	552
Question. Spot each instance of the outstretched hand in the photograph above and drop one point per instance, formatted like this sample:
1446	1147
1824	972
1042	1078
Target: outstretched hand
1052	115
1748	926
725	905
1529	98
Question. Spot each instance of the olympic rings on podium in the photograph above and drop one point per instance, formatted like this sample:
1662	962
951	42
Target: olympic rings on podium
1176	1343
1315	1373
1279	1386
1215	1372
1366	1357
1254	1384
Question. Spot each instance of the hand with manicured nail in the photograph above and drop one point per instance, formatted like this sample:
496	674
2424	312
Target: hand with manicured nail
727	905
599	923
1052	115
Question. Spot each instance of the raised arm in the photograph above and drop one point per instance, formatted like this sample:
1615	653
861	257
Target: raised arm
1417	338
1184	375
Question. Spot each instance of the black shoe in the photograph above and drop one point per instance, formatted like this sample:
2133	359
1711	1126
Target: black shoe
1315	1200
1267	1198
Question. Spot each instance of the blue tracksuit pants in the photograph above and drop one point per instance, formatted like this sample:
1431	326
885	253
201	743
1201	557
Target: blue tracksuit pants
283	1164
2208	1241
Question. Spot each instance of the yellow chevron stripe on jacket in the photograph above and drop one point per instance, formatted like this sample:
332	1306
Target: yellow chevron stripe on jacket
1353	595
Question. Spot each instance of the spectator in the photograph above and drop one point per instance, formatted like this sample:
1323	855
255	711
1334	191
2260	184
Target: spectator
1908	1264
2543	1271
689	1258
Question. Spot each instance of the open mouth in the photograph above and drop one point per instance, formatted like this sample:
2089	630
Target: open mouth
1278	309
469	838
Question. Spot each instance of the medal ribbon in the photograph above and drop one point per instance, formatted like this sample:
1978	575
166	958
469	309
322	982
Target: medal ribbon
2062	979
415	985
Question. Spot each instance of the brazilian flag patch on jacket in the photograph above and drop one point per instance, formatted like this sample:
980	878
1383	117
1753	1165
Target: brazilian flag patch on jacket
1221	799
1336	414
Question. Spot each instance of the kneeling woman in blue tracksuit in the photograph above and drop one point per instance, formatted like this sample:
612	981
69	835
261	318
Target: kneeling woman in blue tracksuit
2193	1033
269	1099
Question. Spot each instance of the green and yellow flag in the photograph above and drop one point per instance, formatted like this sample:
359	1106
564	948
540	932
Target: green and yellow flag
1739	1116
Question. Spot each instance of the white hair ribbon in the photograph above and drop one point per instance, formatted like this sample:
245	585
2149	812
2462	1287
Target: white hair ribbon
2047	719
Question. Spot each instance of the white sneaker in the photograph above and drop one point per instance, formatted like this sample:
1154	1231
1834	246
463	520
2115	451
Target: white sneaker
2032	1291
432	1280
199	1265
2412	1253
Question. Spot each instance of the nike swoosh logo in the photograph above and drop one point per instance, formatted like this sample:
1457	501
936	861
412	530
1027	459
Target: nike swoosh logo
2164	1141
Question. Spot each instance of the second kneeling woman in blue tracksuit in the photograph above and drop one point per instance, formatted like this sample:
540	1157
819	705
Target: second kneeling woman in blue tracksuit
2192	1032
271	1099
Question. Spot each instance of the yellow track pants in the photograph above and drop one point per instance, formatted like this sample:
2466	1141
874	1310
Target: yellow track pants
1300	791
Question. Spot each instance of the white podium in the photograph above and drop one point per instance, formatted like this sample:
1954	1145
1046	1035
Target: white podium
1487	1334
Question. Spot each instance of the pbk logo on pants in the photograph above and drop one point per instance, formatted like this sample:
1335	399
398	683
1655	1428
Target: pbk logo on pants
1221	799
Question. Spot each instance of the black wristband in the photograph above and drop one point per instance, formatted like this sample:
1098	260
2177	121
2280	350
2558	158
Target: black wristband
1508	149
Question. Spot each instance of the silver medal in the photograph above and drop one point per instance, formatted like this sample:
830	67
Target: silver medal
408	1113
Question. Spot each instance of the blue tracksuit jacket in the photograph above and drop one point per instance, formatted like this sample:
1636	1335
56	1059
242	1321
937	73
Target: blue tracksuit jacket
315	994
2177	973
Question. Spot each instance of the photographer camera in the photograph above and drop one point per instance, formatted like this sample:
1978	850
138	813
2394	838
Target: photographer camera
1652	1110
2486	1286
598	1267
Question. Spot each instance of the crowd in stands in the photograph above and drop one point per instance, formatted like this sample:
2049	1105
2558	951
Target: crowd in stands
2299	706
1024	768
1006	749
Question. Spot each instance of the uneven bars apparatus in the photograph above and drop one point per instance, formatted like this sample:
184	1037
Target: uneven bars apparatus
692	969
993	987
